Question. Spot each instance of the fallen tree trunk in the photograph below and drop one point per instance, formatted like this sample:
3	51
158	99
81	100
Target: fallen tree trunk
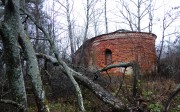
168	102
101	93
95	88
59	61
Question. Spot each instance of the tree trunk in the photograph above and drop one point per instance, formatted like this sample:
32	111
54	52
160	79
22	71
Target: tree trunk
105	15
139	16
169	100
101	93
87	21
10	32
13	32
136	79
34	73
85	32
160	51
37	17
52	45
70	29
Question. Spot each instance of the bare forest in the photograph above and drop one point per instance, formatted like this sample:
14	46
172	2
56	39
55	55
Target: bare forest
38	42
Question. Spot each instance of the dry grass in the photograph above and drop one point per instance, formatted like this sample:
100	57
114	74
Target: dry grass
154	90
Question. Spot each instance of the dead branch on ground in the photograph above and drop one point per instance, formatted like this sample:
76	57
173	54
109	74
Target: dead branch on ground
171	97
13	103
100	92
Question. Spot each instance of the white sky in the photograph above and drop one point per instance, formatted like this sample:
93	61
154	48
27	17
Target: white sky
78	16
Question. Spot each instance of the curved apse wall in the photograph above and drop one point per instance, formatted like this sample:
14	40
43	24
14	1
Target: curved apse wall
118	47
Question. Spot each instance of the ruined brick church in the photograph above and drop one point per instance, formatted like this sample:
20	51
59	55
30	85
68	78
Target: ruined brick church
116	47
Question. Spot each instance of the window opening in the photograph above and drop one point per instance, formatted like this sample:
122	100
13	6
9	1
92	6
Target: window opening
108	57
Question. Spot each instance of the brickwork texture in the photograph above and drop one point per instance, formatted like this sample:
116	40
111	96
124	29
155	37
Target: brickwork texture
116	47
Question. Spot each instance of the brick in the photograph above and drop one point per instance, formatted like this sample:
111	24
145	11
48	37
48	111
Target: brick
125	47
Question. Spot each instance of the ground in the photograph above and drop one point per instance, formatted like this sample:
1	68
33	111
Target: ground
153	90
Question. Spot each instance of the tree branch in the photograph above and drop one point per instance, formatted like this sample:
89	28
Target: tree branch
168	102
102	94
34	73
62	63
13	103
125	65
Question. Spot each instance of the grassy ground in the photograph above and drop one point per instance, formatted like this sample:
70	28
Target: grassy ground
153	90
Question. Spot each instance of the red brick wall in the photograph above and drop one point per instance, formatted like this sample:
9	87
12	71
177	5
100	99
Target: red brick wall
125	47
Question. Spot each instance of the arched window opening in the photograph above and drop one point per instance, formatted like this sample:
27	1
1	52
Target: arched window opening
108	57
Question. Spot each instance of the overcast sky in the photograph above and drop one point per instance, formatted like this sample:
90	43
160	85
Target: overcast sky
78	15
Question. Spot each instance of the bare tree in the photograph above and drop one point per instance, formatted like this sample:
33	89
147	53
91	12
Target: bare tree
150	13
37	16
95	88
87	20
133	12
96	15
61	62
168	20
9	31
105	15
89	8
68	11
100	92
14	39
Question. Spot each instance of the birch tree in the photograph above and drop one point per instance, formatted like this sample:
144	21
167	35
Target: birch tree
105	15
96	22
9	31
169	18
14	39
133	13
89	8
68	13
74	76
37	16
